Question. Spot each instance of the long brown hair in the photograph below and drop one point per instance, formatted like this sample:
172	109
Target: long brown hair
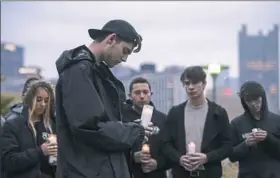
30	101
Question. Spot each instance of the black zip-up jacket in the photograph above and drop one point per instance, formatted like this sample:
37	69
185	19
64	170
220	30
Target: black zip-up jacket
262	160
22	156
158	119
91	136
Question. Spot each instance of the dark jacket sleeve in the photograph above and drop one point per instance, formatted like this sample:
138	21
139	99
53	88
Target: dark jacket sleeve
240	149
86	113
162	161
168	138
225	148
12	159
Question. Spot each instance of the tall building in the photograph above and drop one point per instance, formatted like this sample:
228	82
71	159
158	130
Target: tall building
12	58
259	61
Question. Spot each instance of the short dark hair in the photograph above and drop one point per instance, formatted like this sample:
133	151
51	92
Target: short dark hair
251	90
138	80
194	74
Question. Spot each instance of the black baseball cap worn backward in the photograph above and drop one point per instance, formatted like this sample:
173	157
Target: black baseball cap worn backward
122	29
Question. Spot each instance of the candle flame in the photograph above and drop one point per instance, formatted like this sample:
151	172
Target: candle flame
146	148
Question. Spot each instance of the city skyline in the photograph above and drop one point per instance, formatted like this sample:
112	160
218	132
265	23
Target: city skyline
205	32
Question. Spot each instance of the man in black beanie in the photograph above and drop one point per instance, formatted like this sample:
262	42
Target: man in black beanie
256	135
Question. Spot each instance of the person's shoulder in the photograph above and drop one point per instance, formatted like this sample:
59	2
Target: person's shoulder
12	115
238	119
15	123
179	106
218	109
274	116
81	68
160	114
83	65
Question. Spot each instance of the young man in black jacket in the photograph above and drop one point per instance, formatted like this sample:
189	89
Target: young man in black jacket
155	165
256	135
91	136
202	123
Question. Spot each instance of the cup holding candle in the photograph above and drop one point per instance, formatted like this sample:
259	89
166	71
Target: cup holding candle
145	150
52	140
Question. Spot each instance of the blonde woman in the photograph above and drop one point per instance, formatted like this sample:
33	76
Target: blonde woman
26	150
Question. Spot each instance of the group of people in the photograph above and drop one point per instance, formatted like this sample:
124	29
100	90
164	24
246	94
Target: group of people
97	131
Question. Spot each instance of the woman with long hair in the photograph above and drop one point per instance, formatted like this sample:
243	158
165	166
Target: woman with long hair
26	147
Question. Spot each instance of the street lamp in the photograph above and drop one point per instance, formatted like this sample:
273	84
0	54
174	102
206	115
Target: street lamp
214	70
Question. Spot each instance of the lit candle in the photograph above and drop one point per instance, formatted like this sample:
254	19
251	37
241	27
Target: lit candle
191	147
52	158
146	148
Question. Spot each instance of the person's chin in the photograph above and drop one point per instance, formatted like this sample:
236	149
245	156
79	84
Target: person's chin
40	111
192	95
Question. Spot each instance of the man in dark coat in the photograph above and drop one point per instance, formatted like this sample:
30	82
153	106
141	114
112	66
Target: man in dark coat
91	136
256	135
156	163
200	123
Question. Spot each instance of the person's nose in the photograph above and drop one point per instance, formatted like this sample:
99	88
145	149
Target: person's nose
43	104
142	95
191	86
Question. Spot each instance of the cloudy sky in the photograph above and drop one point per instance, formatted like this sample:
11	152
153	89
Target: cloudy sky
181	33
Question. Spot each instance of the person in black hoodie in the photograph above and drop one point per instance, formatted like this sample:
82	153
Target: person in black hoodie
155	165
92	138
256	135
25	149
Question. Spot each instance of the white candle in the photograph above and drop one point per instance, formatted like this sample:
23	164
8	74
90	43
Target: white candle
254	130
52	158
191	147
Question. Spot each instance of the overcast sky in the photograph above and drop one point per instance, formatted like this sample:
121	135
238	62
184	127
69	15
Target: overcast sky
182	33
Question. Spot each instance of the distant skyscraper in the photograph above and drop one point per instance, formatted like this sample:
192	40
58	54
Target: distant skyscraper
12	58
259	61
